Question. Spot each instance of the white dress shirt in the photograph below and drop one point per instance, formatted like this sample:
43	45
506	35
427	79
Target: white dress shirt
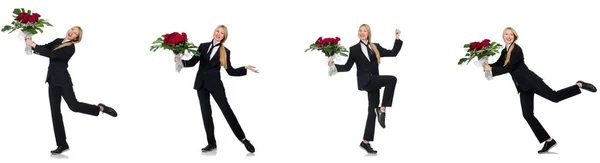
65	40
365	50
212	54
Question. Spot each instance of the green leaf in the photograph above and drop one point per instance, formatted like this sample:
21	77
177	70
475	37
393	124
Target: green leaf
22	10
195	52
28	11
6	28
30	30
462	60
467	46
39	29
154	48
17	11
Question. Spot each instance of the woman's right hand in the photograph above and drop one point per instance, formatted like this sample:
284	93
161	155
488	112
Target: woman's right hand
177	59
330	63
487	68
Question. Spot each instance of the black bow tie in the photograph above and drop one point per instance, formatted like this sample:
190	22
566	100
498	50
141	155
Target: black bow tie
366	44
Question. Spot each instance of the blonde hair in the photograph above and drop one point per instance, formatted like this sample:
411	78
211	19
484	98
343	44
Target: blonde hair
71	42
222	52
512	45
373	47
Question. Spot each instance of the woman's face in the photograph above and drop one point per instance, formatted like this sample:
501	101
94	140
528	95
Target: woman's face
73	33
363	34
508	36
219	33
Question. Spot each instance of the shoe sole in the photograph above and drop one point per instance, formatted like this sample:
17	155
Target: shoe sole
209	150
367	151
592	89
377	116
549	149
59	153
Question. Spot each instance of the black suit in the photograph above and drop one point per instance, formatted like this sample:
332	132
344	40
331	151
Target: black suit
368	79
60	84
208	81
528	84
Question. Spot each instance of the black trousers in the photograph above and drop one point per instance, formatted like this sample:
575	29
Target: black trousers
219	97
66	92
545	91
372	88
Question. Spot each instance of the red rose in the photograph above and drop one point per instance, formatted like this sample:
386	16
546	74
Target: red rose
319	41
474	46
184	36
25	18
479	45
336	40
175	38
35	15
166	38
328	40
21	16
485	43
32	19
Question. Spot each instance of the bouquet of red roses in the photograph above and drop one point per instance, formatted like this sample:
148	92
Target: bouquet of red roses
332	49
177	43
29	23
482	50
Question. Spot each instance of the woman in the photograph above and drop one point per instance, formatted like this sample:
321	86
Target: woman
528	83
367	55
60	85
208	82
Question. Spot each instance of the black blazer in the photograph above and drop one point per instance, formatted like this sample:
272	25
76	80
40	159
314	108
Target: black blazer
209	73
367	69
523	78
59	61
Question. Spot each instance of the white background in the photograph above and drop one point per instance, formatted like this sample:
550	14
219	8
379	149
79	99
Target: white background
292	111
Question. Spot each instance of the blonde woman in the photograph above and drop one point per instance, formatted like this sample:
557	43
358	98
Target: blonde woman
215	55
528	83
60	85
366	55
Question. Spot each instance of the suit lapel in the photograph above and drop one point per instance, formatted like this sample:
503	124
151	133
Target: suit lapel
58	42
216	53
203	49
363	56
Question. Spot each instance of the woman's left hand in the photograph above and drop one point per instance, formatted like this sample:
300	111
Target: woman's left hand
252	68
487	68
397	33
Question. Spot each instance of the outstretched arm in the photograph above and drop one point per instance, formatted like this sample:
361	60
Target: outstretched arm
192	61
390	53
48	45
516	57
346	67
64	53
500	60
240	71
395	50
